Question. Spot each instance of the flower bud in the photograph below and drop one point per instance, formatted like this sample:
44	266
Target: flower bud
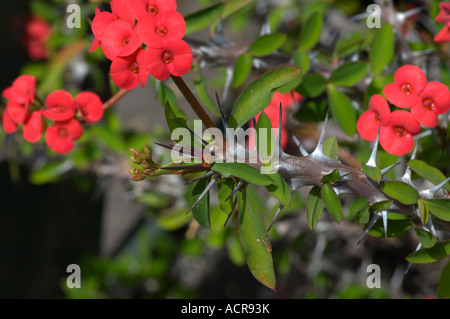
137	178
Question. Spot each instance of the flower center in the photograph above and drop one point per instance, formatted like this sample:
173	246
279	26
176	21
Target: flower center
400	131
428	104
406	89
134	67
152	9
125	41
161	31
63	132
61	108
377	117
167	57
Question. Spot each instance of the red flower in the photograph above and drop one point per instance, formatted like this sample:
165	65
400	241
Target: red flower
37	32
174	58
61	135
61	106
22	90
119	39
127	72
90	106
143	8
33	127
121	10
286	99
409	82
17	112
397	137
8	125
443	35
101	20
444	13
166	25
370	121
433	100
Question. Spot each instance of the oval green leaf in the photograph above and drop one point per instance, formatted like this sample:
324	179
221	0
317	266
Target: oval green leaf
428	255
425	238
314	207
258	94
429	172
279	189
342	110
254	241
265	137
266	44
242	69
439	207
312	85
201	210
332	202
310	33
349	73
404	193
203	18
243	171
382	49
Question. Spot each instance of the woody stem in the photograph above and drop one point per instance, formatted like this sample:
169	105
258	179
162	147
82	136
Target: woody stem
193	102
114	99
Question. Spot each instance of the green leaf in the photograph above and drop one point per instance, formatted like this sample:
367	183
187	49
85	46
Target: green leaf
423	211
201	210
312	111
349	73
332	202
373	172
50	172
266	44
279	189
331	147
429	172
439	207
312	85
301	59
395	228
342	110
426	238
427	255
203	18
266	140
242	69
243	171
382	49
314	207
255	242
380	206
226	186
174	121
443	290
404	193
331	177
258	94
310	33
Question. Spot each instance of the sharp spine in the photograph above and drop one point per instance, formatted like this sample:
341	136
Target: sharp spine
278	212
238	187
206	190
299	145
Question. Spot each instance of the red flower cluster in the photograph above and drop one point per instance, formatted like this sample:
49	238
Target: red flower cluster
443	17
57	118
273	112
142	37
37	32
410	90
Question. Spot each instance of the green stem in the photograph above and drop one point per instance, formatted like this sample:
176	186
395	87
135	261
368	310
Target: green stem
114	99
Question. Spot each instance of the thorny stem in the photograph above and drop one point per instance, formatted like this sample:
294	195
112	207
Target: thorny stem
193	102
114	99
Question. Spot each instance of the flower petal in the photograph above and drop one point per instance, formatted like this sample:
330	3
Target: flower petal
60	143
90	106
61	106
8	125
379	105
33	127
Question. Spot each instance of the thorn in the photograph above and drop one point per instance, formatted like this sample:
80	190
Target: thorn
369	227
385	221
429	193
229	215
238	187
407	175
278	212
373	156
387	169
299	145
319	148
222	115
201	177
432	229
195	166
265	29
198	137
207	188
